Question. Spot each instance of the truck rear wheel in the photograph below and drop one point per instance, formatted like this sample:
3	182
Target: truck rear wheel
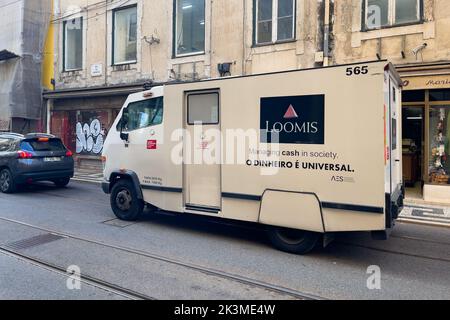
125	202
293	241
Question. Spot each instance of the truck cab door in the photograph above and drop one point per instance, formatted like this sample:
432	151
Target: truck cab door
142	135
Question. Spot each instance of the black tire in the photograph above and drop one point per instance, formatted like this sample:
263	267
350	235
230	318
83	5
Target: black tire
63	182
125	202
293	241
7	183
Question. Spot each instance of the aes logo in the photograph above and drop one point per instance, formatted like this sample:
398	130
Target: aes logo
293	120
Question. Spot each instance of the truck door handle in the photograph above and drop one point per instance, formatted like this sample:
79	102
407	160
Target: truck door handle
397	160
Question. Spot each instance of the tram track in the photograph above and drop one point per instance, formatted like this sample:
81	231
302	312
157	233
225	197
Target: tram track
421	240
85	279
350	244
288	292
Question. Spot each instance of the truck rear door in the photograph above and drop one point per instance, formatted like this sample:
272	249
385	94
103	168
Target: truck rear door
396	140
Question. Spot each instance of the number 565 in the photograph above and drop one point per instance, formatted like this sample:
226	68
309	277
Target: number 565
357	71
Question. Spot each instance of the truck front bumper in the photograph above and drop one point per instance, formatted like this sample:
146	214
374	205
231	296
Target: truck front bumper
106	187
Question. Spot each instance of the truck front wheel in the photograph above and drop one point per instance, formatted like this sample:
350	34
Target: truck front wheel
293	241
125	202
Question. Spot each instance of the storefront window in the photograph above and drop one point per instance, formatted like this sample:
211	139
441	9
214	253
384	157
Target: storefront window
439	166
414	96
440	95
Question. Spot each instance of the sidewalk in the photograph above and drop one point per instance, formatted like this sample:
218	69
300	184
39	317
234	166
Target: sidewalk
425	213
88	174
414	211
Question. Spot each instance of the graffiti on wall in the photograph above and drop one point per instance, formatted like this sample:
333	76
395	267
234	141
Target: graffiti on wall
90	137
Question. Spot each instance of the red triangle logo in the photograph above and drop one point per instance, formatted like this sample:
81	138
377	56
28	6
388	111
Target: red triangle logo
291	113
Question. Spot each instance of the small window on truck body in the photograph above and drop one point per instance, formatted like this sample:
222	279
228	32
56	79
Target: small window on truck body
143	114
203	108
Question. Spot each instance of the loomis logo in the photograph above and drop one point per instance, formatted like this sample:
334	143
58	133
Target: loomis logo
291	113
293	120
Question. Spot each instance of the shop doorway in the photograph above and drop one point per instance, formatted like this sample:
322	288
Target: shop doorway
413	150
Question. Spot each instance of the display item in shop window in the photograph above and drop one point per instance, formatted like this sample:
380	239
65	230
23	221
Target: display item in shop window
438	172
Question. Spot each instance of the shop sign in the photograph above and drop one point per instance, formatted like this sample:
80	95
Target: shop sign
426	82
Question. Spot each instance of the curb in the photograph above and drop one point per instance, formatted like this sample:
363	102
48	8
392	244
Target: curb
424	223
417	202
86	180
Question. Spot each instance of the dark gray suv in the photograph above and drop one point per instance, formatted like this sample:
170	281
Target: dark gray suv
33	157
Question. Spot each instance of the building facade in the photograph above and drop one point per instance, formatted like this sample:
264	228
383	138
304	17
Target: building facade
106	50
109	49
23	26
413	35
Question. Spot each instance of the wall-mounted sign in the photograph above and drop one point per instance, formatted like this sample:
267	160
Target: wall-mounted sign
96	70
426	82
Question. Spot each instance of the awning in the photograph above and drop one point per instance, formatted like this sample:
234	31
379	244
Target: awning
6	55
425	76
93	92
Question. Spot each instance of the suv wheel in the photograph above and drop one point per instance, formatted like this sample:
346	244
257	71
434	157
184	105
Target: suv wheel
7	184
293	241
124	201
63	182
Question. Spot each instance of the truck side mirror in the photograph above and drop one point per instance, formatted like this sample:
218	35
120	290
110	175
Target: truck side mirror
124	136
123	123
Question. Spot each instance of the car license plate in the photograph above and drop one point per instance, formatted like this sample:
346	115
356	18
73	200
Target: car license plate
52	159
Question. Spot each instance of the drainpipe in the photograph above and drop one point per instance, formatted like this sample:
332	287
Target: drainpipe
244	36
49	115
326	33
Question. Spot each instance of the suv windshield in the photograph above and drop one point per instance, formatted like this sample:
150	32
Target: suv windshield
36	145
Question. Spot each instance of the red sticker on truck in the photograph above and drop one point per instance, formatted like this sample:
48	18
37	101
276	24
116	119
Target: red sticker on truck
152	144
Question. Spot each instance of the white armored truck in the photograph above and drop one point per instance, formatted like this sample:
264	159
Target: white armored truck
306	153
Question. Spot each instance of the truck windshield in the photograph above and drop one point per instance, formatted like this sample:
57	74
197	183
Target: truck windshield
143	114
36	145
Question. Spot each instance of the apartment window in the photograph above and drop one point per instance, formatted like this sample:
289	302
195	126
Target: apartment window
275	20
73	44
387	13
189	27
125	35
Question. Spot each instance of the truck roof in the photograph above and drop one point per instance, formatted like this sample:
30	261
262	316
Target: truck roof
389	66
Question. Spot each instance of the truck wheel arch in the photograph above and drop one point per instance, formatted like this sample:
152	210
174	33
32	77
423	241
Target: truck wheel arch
291	209
129	175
